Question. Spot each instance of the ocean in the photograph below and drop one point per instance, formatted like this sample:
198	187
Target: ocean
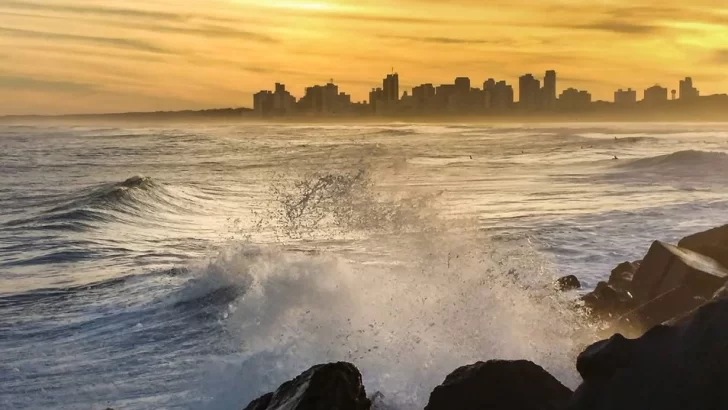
200	266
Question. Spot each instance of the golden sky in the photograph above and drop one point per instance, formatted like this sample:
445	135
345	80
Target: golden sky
64	56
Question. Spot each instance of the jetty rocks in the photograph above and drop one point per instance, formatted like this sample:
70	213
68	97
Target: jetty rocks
668	349
668	284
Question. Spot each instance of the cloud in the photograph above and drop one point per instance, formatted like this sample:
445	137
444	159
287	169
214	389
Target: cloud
208	31
9	82
618	27
440	40
106	11
107	41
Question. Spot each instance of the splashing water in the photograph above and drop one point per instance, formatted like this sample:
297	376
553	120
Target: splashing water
436	299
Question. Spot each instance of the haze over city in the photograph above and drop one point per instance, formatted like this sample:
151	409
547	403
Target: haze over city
66	56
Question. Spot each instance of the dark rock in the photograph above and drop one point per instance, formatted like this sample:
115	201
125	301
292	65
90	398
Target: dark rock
333	386
621	276
669	368
606	302
261	403
667	267
568	283
712	243
499	385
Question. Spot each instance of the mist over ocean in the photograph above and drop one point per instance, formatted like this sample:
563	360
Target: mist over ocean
197	267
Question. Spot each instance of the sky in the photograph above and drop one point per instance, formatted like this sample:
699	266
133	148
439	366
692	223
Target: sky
92	56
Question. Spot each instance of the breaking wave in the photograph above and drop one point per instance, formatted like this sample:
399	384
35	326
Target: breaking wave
690	161
433	299
137	196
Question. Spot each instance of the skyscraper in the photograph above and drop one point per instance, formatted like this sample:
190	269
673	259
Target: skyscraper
390	87
548	93
462	85
528	92
687	91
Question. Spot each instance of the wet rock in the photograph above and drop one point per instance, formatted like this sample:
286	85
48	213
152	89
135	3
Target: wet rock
621	276
712	243
333	386
668	368
607	302
497	385
261	403
667	267
568	283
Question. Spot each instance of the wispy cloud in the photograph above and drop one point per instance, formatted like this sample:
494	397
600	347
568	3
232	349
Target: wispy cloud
618	27
126	43
442	40
9	82
105	11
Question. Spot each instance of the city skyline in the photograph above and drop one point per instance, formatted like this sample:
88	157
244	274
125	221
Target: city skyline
463	96
69	56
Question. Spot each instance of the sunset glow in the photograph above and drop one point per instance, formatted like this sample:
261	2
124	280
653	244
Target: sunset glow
62	56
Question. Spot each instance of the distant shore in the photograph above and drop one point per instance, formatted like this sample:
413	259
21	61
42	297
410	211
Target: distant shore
245	115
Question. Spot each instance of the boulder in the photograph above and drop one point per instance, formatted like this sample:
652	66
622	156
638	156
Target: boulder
499	385
568	283
712	243
678	367
607	302
621	276
333	386
667	267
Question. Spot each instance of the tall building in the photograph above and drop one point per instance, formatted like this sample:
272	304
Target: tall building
376	99
625	97
687	91
283	101
529	89
573	99
390	86
548	93
655	95
497	95
423	96
263	103
462	85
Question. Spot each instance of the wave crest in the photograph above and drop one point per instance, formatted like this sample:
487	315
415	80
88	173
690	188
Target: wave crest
688	160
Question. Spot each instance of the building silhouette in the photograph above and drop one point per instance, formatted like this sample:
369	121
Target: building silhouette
498	96
390	87
460	97
625	97
529	89
687	91
655	95
573	99
548	92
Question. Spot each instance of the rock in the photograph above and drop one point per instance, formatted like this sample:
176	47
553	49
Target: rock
568	283
621	276
333	386
712	243
606	302
669	368
499	385
667	267
261	403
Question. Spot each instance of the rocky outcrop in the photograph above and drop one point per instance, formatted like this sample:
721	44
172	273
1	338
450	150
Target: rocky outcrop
333	386
568	283
670	282
669	367
712	243
499	385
